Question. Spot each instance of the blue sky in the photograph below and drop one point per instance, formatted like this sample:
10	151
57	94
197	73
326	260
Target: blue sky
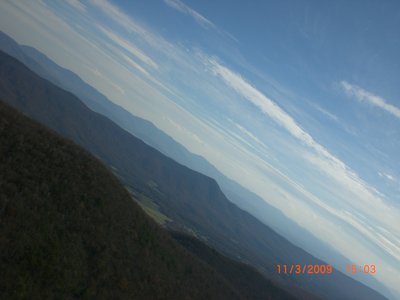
299	101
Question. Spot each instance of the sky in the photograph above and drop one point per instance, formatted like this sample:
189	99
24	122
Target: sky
298	101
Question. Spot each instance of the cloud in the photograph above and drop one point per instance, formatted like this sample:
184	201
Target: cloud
364	96
117	15
183	8
129	47
132	63
327	113
370	200
156	42
117	87
387	176
201	20
266	105
77	5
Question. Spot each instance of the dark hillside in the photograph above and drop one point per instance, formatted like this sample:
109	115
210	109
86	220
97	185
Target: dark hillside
246	279
68	229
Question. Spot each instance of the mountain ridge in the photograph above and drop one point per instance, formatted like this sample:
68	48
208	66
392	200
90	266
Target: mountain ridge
68	229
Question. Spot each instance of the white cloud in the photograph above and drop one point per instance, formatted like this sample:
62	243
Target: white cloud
133	64
183	8
266	105
327	113
369	200
77	5
117	87
387	176
200	19
362	95
129	47
252	136
117	15
156	42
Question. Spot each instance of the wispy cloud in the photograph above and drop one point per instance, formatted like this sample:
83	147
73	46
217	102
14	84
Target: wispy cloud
183	8
327	113
77	5
117	15
266	105
200	19
129	47
364	96
387	176
371	201
156	42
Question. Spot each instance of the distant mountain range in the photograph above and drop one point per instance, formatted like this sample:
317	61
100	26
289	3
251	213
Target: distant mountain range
68	229
150	134
191	200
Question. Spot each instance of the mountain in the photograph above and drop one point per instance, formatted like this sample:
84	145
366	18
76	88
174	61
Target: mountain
157	139
150	134
246	279
191	200
46	68
68	229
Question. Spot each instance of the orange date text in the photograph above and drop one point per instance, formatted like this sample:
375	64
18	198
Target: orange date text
297	269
